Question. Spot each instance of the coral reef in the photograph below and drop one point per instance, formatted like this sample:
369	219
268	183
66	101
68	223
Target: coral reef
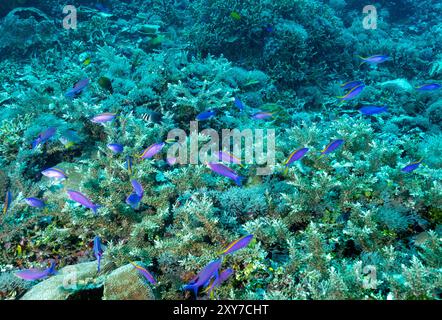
349	224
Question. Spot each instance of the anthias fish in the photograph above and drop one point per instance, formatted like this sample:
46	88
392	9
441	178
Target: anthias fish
204	276
372	110
36	274
98	251
152	150
144	273
104	117
35	202
134	198
296	155
262	115
332	146
237	244
206	115
429	87
78	88
376	59
7	203
115	147
54	173
83	200
353	93
229	158
238	103
226	172
351	84
411	167
43	137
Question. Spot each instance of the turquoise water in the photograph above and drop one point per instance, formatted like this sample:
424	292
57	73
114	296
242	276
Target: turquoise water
216	149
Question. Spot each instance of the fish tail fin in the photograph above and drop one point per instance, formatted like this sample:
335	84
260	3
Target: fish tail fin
95	208
51	269
239	180
286	170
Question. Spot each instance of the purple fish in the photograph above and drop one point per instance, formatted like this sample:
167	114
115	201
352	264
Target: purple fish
144	273
351	84
115	147
77	89
133	200
238	103
353	93
204	276
376	59
225	171
262	115
104	117
36	274
332	146
372	110
224	275
206	115
296	155
229	158
7	203
429	87
83	200
411	167
44	136
98	251
35	202
54	173
138	188
237	244
171	161
152	150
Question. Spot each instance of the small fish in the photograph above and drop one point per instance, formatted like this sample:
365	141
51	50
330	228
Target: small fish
372	110
269	28
374	60
353	93
133	200
129	165
206	115
98	251
296	155
44	136
262	115
152	116
224	275
106	84
78	88
152	150
87	61
332	146
138	188
35	202
238	103
144	273
83	200
171	161
226	172
351	84
69	138
235	15
115	147
412	166
7	203
237	244
36	274
104	117
54	173
429	87
204	276
229	158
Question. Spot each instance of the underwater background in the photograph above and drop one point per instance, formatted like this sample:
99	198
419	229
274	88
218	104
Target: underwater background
92	208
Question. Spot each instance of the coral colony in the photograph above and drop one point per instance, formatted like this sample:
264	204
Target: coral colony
221	150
